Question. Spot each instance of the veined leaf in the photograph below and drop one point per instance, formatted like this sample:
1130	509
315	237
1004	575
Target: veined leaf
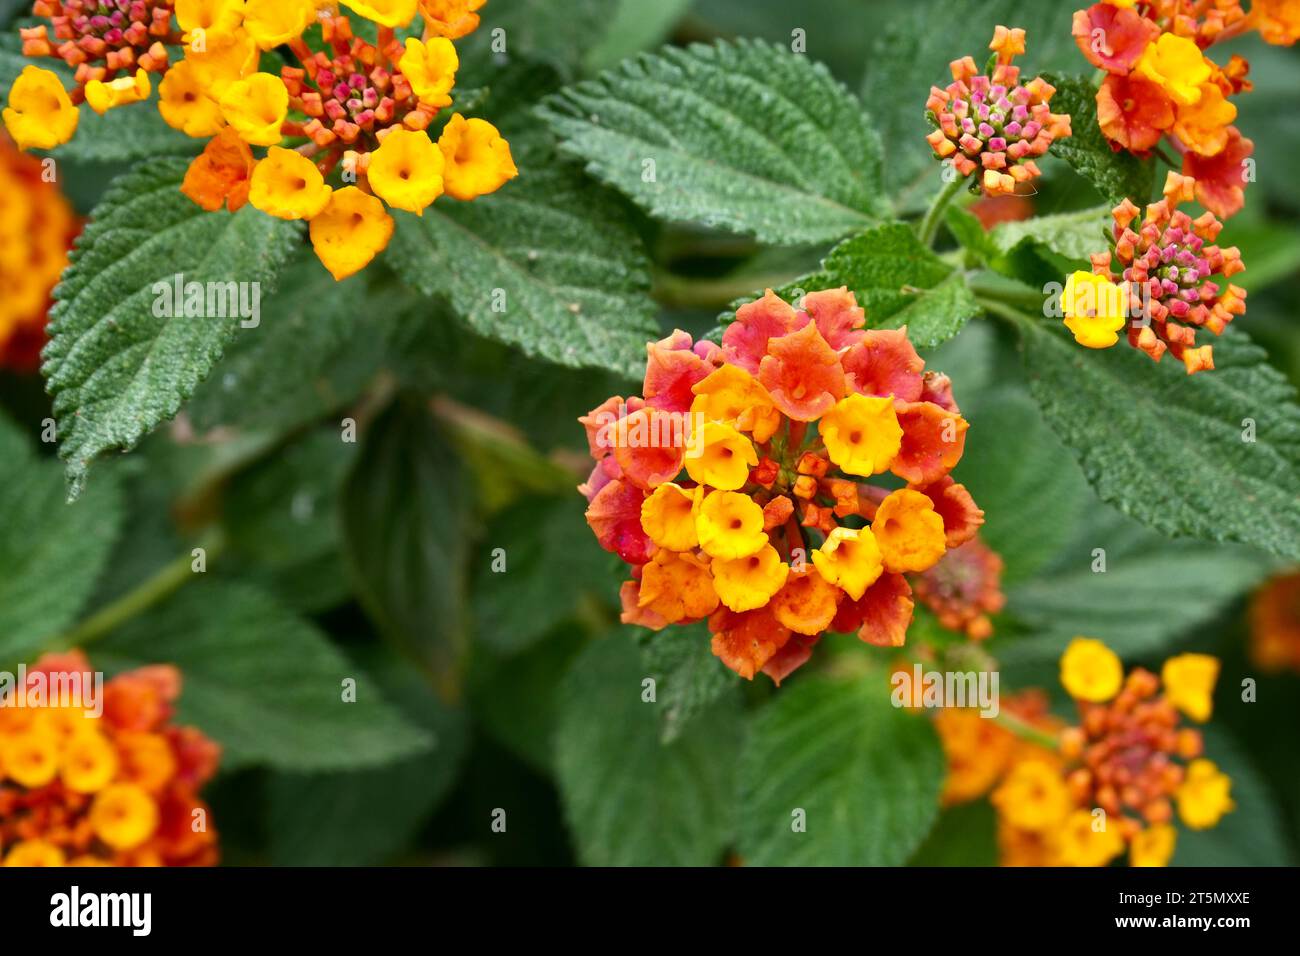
689	677
1073	235
1116	175
115	367
862	776
743	136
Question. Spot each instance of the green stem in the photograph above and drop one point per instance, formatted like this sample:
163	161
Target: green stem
679	292
169	579
1002	310
1026	731
929	225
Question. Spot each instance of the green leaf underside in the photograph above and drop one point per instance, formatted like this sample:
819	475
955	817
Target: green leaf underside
761	141
51	552
1074	235
546	264
896	279
630	800
866	774
1115	174
115	369
263	683
1171	453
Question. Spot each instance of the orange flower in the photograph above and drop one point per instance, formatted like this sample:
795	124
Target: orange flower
1134	112
1221	179
803	374
1112	37
1275	624
221	174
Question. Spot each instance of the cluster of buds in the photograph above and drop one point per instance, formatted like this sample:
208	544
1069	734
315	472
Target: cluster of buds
1275	624
104	41
1159	83
37	226
772	535
115	785
1166	286
1082	795
991	121
964	588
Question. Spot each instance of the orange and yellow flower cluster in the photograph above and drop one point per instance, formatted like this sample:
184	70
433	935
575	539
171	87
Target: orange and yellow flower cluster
1167	283
1159	83
118	789
964	588
771	533
1114	782
37	227
991	121
361	109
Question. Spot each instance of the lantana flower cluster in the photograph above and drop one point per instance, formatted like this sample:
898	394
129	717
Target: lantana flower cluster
734	486
118	789
1115	780
357	111
1171	281
990	121
37	226
1160	84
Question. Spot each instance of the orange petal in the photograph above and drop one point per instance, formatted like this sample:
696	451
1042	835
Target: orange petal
793	655
884	362
615	516
954	504
803	374
933	442
807	603
838	316
746	642
745	340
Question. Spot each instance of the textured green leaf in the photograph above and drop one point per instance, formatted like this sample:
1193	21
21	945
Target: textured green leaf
630	800
405	535
51	552
866	774
263	683
561	34
125	134
689	678
1073	235
1167	448
115	369
1116	175
747	137
546	264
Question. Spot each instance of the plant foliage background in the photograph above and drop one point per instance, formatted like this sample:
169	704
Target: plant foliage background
520	691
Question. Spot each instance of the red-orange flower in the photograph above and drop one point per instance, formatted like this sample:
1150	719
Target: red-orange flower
1221	179
1134	112
221	173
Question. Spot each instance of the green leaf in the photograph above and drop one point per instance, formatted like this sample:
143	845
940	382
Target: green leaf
117	370
1072	235
520	599
366	817
561	34
896	279
1169	449
1115	174
51	552
636	25
689	678
747	137
630	800
546	264
125	134
966	835
866	775
263	683
405	538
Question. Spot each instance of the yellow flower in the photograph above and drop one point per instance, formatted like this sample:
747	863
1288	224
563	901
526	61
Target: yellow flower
89	762
730	525
390	13
352	230
478	160
862	434
677	585
31	759
909	531
40	114
431	69
1203	796
1153	846
123	816
272	22
1081	845
1177	65
1189	684
288	185
725	457
1091	671
184	104
732	395
668	516
1203	127
210	16
102	97
1094	309
744	584
849	559
28	853
256	108
406	170
1033	796
224	59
